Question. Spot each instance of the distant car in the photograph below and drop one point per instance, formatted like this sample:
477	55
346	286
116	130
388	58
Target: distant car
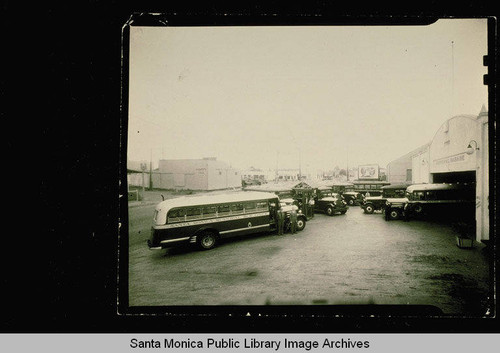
371	204
247	182
378	203
395	208
353	198
330	203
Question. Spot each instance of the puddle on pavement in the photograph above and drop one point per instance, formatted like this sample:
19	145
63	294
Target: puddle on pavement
433	259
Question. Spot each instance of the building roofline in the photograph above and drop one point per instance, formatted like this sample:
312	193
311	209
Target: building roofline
468	116
412	153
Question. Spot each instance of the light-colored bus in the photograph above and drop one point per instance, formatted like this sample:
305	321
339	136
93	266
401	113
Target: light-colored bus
205	219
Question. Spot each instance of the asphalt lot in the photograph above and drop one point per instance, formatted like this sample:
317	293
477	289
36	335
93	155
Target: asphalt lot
345	259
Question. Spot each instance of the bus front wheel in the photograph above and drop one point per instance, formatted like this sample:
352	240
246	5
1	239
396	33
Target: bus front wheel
207	240
394	214
301	224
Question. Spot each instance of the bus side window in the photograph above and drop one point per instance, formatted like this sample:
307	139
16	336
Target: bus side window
237	208
223	210
419	195
431	195
176	216
209	211
262	206
250	207
193	213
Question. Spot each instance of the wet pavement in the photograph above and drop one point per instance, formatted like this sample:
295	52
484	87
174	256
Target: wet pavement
354	258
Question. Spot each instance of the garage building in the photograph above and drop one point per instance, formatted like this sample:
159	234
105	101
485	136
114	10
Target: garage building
458	153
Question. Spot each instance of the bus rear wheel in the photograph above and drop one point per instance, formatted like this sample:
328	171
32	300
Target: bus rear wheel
207	240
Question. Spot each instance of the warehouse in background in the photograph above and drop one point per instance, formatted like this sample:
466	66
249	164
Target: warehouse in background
401	170
458	153
195	174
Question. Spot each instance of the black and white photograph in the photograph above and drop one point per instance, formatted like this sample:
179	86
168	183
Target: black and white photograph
316	167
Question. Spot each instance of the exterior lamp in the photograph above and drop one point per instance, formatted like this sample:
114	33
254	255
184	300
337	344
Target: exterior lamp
470	149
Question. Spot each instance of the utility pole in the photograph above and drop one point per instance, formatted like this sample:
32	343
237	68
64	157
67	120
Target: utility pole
300	167
143	168
151	170
452	77
276	175
347	169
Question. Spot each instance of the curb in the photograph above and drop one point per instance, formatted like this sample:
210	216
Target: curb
132	204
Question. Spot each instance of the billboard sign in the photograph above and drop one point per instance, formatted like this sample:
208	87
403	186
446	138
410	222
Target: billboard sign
368	171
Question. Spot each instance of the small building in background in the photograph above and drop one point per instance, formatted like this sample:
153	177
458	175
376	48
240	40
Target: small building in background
288	174
195	174
137	174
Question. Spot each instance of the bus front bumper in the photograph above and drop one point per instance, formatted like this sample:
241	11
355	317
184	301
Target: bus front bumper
151	247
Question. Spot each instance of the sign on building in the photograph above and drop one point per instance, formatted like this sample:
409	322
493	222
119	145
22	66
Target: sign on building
368	171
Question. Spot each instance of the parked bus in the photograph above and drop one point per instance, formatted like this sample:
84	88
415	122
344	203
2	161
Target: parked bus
368	187
205	219
442	200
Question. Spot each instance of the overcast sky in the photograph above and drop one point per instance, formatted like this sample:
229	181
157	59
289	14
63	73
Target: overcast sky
327	96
